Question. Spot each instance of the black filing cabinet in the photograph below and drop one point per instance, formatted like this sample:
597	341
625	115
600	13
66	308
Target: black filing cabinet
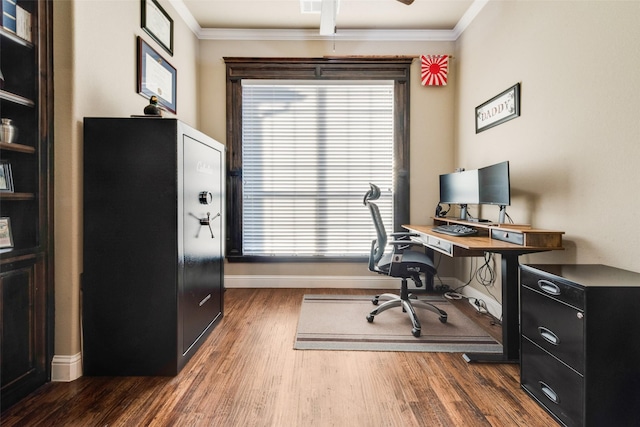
152	284
580	345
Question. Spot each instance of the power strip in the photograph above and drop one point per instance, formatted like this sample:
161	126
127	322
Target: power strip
478	304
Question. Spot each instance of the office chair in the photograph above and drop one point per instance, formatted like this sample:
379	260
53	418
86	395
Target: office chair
400	262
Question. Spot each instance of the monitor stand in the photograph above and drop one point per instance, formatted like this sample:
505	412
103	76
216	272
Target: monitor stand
465	217
463	212
503	214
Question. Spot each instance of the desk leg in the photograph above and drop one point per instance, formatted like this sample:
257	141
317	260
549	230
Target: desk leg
510	316
428	278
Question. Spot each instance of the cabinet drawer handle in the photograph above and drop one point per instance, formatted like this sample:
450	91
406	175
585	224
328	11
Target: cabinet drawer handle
548	335
548	287
204	300
548	391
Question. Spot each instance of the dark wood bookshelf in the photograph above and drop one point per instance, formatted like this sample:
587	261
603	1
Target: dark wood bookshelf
26	261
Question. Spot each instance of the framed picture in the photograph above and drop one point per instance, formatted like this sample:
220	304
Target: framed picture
6	238
158	24
499	109
156	77
6	178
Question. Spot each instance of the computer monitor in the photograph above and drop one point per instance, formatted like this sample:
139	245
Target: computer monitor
485	186
494	185
460	188
495	188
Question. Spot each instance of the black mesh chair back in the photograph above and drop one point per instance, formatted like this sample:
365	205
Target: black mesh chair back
399	262
381	233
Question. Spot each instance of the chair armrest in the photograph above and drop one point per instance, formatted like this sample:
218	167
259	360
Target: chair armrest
403	234
400	245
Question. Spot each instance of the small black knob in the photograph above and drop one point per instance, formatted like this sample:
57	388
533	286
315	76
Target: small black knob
205	197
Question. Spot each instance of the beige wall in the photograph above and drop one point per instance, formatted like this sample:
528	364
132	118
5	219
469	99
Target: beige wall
95	66
574	151
431	124
95	75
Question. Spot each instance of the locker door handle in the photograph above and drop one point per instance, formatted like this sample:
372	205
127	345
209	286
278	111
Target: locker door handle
205	299
207	221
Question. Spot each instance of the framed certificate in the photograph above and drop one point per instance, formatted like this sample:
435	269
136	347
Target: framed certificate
6	178
6	238
156	77
158	24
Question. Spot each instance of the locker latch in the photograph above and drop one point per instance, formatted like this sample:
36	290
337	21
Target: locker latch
207	221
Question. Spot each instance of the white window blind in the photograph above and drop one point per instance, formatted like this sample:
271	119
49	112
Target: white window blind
309	152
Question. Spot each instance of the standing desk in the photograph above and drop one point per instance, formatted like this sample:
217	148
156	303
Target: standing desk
510	241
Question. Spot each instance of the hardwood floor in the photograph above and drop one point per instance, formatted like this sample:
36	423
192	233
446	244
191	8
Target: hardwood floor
247	374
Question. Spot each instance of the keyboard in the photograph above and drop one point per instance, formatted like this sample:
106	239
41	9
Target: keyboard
455	230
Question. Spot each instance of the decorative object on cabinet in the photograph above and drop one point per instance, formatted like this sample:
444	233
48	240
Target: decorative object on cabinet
153	109
6	238
499	109
23	23
26	273
8	131
579	354
152	282
158	24
156	76
6	177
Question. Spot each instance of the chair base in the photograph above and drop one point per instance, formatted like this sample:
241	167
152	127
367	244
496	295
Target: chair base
407	301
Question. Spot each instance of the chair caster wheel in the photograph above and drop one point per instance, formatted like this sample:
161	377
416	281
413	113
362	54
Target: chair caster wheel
416	332
443	319
370	318
374	301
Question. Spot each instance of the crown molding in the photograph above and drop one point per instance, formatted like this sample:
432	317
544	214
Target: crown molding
341	34
186	16
468	17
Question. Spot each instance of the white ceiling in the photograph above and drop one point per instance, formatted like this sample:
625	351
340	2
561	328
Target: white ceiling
432	19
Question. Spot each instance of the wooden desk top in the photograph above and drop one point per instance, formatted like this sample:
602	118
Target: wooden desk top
534	240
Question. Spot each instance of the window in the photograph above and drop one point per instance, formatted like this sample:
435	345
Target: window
302	152
309	150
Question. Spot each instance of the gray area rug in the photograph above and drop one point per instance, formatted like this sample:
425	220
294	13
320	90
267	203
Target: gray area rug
338	322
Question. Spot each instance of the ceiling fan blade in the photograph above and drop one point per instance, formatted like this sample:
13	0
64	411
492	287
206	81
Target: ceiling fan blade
406	1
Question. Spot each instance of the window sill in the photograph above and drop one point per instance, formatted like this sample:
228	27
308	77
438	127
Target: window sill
294	259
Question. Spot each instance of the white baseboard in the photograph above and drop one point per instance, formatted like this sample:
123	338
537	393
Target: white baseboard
66	368
355	282
493	306
277	281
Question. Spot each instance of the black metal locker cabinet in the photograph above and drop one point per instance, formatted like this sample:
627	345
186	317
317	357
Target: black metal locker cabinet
153	244
202	218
